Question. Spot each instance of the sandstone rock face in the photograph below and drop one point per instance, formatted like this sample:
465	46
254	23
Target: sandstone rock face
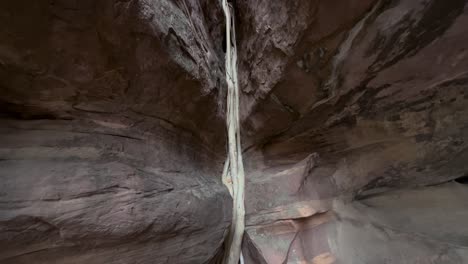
365	106
354	123
111	137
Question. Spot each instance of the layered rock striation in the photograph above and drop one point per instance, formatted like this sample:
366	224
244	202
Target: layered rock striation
354	127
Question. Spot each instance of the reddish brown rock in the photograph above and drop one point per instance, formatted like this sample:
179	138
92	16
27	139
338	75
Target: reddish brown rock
377	97
112	132
354	124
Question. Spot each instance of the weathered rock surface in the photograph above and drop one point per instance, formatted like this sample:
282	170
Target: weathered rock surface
85	193
347	99
354	122
111	135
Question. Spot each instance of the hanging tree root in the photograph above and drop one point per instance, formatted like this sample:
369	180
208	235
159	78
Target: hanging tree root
233	173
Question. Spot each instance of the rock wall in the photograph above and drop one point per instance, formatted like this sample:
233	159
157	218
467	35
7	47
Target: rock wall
367	104
344	103
354	123
112	132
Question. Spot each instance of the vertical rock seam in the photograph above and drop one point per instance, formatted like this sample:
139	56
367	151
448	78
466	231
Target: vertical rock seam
233	173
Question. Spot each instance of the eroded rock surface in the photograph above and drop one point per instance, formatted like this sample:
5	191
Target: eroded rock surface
368	96
112	132
354	123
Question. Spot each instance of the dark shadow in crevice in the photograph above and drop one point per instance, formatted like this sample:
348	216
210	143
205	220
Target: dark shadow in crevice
24	111
366	193
462	180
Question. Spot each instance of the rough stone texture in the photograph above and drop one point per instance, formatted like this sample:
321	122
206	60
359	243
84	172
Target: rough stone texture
423	225
354	122
354	98
112	132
